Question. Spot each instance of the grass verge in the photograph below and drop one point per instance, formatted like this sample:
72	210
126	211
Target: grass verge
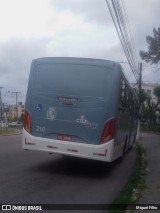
9	130
132	191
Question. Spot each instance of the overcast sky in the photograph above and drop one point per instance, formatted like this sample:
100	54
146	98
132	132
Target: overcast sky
73	28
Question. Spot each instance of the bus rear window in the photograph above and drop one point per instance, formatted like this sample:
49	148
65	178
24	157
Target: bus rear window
70	79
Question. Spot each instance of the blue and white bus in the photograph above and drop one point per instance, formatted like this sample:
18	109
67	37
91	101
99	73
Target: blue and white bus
79	107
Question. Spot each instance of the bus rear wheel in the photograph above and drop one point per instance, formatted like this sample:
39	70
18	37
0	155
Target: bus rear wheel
123	152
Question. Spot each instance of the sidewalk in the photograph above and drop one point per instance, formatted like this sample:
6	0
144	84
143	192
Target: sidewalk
151	195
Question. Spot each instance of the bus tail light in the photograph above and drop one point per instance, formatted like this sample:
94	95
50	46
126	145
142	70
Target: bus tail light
27	122
109	131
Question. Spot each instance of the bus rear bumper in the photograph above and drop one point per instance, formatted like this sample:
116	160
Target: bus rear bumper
103	152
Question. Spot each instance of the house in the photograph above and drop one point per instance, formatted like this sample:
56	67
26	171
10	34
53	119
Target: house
15	111
148	88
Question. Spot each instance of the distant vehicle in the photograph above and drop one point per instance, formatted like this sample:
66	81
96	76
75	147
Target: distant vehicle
15	123
12	124
19	124
79	107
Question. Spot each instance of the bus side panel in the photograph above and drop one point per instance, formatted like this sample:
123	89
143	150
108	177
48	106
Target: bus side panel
127	117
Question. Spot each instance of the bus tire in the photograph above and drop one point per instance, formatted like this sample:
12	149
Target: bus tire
133	142
120	159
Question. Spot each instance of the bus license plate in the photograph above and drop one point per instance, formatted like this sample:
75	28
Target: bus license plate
64	137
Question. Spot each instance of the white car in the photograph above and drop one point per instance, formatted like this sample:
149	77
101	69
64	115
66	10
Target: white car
12	124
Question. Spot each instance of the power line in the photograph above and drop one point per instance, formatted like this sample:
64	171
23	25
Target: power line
125	31
120	20
131	40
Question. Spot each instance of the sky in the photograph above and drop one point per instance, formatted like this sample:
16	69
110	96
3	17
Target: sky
31	29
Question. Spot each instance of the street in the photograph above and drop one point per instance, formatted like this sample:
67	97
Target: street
31	177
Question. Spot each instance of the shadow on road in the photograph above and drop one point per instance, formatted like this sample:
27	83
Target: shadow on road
71	166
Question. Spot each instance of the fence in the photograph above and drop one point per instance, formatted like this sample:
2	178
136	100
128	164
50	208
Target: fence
150	127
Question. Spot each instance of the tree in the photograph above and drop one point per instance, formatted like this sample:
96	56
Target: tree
157	94
153	53
148	108
143	96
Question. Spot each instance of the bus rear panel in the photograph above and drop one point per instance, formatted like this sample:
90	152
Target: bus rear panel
72	106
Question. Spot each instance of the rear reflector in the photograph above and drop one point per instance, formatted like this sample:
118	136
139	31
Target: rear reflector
27	122
109	131
101	154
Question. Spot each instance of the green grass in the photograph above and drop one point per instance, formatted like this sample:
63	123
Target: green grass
9	130
132	192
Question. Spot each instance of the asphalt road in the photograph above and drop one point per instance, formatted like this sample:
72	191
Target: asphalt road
31	177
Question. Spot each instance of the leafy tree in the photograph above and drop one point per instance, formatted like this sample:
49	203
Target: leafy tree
143	96
153	53
149	114
148	107
157	94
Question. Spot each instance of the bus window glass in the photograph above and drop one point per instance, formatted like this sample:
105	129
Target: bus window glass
79	80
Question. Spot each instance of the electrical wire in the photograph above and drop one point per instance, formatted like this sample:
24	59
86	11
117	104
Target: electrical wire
120	20
126	37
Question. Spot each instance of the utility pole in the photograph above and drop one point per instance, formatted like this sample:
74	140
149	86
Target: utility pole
1	102
16	93
5	116
140	84
140	101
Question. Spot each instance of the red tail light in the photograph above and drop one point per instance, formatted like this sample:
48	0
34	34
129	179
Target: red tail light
108	132
27	122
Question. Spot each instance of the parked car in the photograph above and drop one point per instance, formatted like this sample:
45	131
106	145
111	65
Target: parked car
12	124
19	124
15	123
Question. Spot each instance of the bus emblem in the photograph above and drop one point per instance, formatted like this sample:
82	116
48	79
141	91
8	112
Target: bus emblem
86	123
51	113
81	120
